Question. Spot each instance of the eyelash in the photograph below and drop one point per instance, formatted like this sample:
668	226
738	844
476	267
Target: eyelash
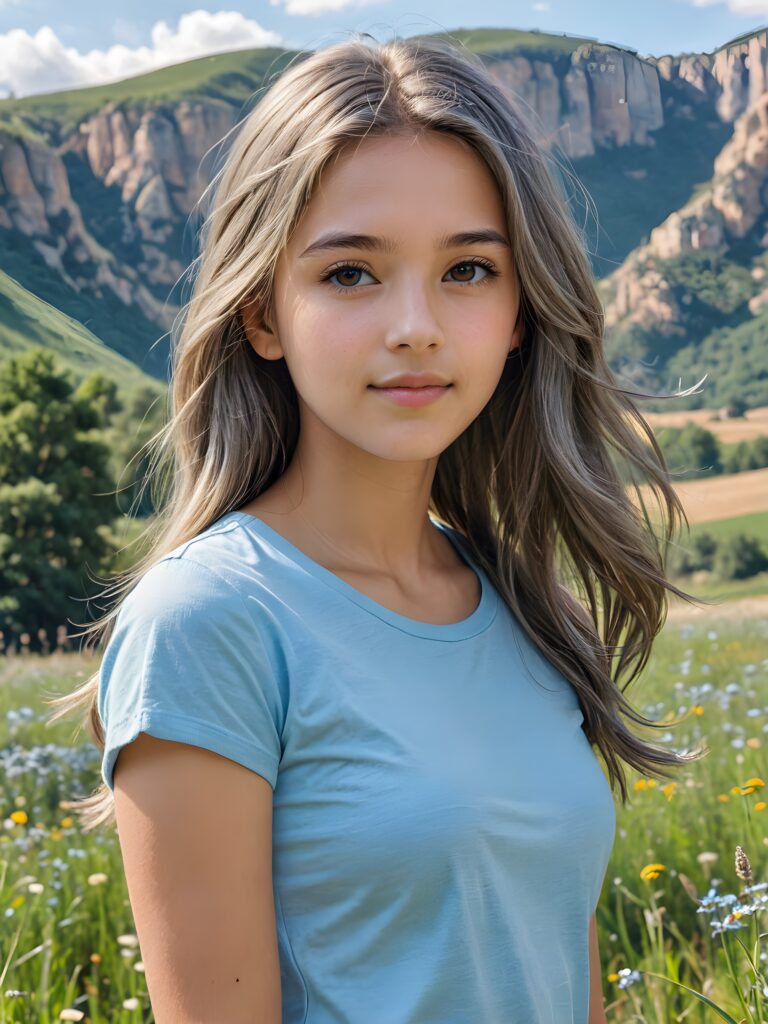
485	264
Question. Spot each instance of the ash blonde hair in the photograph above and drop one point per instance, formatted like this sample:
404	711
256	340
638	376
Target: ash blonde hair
537	483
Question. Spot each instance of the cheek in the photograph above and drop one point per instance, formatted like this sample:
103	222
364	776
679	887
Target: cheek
327	352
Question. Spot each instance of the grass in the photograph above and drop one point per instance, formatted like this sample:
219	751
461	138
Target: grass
68	932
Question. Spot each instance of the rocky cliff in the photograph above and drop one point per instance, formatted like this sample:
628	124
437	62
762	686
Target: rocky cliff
730	208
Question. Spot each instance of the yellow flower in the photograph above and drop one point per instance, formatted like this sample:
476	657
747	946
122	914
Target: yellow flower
641	784
669	790
697	709
613	977
756	783
760	805
651	871
67	822
754	743
20	817
723	798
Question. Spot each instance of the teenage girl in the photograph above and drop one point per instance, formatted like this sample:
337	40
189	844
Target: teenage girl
350	707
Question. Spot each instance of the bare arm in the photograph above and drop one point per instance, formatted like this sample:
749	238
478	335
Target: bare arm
195	831
596	1011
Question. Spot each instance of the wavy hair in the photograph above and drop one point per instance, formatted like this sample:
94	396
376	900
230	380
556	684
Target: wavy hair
537	483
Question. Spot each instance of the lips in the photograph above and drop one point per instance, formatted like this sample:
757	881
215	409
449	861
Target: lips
413	397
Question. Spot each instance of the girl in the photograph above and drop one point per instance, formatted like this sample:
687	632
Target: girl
349	704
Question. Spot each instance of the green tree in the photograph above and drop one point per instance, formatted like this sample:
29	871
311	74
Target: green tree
690	451
56	497
131	428
738	557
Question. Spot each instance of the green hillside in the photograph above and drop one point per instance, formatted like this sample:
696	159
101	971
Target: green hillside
27	321
229	77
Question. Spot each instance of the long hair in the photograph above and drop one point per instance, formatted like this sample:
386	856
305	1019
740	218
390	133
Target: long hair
537	484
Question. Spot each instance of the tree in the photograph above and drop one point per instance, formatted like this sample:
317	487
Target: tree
55	496
739	557
690	450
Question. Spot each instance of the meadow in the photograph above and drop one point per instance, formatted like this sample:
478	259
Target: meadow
674	909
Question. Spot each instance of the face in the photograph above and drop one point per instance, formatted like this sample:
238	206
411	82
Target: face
349	317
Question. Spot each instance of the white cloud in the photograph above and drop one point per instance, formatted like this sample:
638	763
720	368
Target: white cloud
737	6
540	7
315	7
42	63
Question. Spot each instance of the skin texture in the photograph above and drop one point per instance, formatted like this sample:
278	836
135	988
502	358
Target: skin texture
356	494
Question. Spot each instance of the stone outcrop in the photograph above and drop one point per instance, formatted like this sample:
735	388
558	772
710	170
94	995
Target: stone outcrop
733	204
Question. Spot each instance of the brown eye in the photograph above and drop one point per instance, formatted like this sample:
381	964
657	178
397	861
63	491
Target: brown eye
470	266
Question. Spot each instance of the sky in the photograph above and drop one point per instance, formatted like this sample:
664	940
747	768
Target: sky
46	45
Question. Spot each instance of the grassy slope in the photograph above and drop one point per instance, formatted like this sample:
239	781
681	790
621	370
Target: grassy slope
26	320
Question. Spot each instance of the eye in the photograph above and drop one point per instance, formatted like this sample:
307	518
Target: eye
344	269
340	270
485	265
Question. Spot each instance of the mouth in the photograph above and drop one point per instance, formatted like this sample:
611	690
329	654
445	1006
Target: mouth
411	397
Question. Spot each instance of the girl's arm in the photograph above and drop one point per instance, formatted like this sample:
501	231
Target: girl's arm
596	1011
195	830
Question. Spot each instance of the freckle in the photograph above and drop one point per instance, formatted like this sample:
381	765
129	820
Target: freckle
237	979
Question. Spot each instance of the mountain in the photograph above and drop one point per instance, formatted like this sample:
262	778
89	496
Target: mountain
694	298
98	186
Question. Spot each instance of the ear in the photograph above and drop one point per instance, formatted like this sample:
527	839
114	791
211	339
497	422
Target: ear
517	334
261	338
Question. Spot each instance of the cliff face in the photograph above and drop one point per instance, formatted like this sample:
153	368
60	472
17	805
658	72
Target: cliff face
601	96
730	207
733	77
152	162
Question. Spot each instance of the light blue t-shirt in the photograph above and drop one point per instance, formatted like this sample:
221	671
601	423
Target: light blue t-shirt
441	824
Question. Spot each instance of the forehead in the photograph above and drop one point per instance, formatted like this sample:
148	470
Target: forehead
403	185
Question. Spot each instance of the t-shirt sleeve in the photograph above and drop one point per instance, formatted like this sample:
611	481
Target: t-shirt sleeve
189	660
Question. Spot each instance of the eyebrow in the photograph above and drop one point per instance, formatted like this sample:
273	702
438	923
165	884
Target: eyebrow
343	240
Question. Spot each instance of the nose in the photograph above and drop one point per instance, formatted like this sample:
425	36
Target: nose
411	319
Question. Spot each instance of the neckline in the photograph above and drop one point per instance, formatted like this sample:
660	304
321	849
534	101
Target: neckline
476	622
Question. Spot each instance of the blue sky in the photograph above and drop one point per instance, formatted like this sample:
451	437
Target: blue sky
47	45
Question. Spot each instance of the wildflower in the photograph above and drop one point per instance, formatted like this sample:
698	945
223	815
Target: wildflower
651	871
707	857
628	977
98	878
743	867
131	1004
19	817
71	1015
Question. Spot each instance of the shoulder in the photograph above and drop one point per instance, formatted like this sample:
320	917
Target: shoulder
207	574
